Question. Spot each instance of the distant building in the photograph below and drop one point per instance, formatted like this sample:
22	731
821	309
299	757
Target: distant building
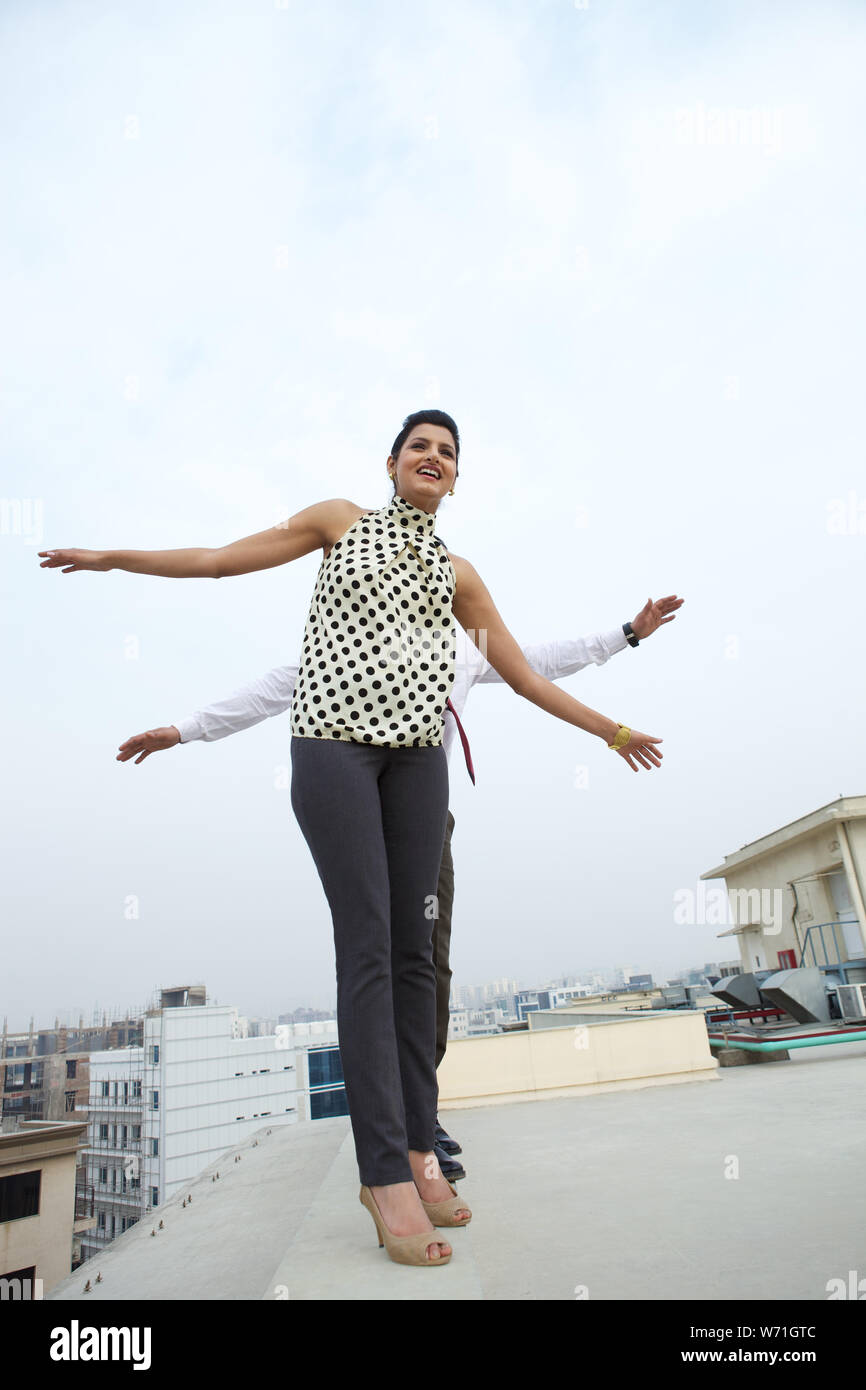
45	1072
797	894
458	1023
528	1001
306	1016
161	1112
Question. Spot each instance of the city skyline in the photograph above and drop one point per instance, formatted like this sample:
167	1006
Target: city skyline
100	1015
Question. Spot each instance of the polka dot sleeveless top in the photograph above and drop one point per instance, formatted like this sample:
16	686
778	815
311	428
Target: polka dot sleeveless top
378	658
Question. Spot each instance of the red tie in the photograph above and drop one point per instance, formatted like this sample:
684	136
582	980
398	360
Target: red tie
464	740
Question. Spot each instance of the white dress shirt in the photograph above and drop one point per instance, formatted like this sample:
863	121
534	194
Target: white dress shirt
272	693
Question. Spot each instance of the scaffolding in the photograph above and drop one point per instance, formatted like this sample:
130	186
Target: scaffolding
122	1162
108	1190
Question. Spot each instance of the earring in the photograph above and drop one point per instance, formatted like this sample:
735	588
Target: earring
451	492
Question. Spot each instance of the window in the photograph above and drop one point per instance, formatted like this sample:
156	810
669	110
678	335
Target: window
18	1284
70	1071
106	1085
154	1054
114	1179
327	1092
136	1131
101	1222
325	1105
103	1132
19	1195
154	1100
70	1100
136	1090
154	1148
326	1067
154	1196
103	1176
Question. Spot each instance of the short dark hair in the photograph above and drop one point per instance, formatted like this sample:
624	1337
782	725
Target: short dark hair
425	417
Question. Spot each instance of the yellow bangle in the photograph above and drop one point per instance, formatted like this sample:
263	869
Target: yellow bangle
622	737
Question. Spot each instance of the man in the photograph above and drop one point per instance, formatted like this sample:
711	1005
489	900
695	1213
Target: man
271	694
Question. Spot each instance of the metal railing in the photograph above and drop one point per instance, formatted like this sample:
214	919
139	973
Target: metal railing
809	940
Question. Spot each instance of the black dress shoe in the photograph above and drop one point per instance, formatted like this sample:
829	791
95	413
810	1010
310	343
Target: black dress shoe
451	1169
445	1141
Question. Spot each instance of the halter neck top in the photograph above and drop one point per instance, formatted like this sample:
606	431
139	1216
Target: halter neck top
378	656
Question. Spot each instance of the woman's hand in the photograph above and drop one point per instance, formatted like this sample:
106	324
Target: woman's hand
640	746
75	560
151	742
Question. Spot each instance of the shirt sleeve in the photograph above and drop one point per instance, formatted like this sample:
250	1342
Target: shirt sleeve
271	694
553	660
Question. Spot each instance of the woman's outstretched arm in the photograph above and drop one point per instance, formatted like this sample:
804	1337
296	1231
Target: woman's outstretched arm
320	524
475	610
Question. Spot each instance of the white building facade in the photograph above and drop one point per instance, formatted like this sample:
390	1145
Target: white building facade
162	1112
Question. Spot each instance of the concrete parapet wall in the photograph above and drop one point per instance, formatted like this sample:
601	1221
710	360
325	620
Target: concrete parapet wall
648	1049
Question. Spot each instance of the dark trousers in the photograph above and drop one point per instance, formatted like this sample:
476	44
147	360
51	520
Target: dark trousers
442	942
374	819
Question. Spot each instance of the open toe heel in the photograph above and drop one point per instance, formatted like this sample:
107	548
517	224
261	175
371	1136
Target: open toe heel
445	1213
404	1250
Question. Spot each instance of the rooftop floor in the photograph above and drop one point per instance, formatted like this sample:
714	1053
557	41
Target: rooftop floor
623	1193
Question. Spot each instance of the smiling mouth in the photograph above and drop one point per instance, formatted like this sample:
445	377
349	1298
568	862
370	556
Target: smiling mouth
429	473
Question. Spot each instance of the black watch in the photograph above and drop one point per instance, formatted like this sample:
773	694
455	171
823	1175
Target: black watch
630	637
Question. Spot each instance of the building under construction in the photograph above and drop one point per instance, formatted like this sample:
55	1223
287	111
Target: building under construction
45	1074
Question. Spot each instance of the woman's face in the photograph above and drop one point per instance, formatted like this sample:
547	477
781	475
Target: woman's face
426	467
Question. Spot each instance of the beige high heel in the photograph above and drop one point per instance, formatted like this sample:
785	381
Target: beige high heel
444	1213
403	1250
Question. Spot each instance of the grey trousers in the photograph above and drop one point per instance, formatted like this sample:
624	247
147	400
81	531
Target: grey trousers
442	942
374	819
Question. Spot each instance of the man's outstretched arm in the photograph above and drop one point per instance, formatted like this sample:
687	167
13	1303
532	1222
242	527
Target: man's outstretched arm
556	659
263	698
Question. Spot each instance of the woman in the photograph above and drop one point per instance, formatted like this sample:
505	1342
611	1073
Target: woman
370	787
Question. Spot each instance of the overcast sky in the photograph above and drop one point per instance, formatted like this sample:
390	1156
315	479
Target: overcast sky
622	245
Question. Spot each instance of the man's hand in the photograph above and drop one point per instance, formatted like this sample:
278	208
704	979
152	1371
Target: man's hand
151	742
652	615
